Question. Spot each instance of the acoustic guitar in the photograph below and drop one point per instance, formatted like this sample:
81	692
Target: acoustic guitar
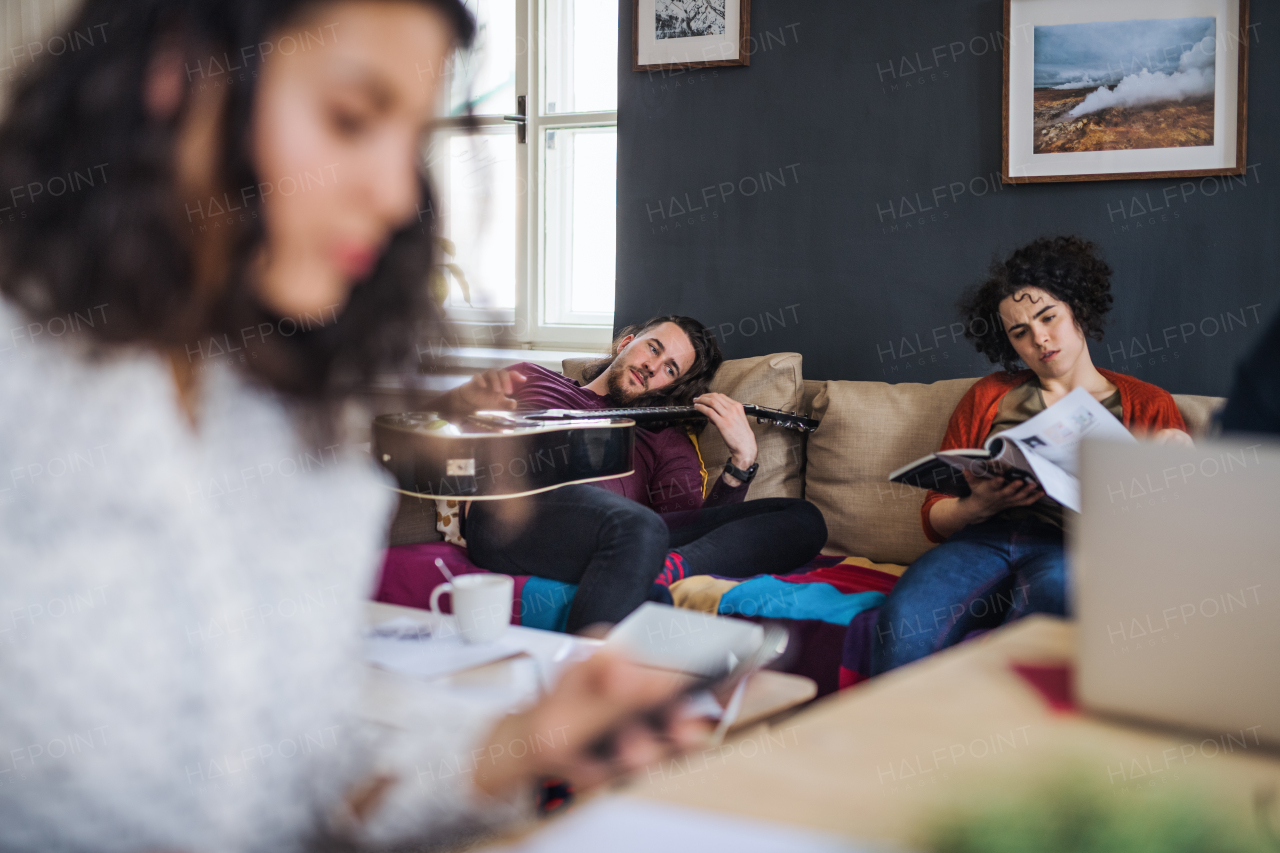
497	455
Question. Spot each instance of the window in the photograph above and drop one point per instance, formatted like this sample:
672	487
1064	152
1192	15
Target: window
28	30
529	208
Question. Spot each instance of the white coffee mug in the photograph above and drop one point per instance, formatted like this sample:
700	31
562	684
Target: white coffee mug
481	605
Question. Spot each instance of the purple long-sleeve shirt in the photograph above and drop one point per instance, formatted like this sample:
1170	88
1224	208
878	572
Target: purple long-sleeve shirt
667	478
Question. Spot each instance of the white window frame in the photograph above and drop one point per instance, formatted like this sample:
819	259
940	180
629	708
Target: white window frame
528	325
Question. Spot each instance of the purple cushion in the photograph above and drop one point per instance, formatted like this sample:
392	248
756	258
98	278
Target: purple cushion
409	572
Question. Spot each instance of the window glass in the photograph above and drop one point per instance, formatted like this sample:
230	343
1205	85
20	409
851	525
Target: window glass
485	76
581	232
475	176
581	55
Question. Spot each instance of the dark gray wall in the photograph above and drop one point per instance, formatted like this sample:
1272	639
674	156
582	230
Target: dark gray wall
792	175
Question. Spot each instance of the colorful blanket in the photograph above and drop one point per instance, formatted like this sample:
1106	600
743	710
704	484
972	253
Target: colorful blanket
831	603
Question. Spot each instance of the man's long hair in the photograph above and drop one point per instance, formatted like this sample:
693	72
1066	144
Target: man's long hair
694	382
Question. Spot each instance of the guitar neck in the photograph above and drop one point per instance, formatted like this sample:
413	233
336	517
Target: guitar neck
650	414
644	414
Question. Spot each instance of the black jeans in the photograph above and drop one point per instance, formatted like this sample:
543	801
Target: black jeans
613	548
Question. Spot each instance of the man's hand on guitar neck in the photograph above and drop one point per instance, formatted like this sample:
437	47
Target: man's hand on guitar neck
728	416
493	389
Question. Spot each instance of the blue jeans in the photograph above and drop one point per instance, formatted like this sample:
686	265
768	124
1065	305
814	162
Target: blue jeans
985	575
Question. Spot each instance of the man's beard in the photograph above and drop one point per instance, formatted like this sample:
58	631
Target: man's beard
616	379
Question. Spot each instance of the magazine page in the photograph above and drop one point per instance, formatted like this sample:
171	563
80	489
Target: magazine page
998	461
1057	483
1046	446
1008	456
1012	458
1055	433
941	472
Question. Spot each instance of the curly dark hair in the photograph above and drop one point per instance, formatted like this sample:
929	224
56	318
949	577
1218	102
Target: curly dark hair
1068	268
116	243
694	382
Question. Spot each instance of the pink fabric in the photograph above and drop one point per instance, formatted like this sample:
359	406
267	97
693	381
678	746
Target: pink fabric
409	574
1053	682
673	570
847	579
848	678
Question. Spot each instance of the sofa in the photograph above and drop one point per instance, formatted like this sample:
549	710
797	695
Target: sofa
867	429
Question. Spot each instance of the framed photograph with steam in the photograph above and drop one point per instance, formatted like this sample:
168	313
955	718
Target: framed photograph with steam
1099	90
690	33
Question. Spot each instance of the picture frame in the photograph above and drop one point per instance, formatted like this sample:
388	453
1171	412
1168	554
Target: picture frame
675	34
1104	90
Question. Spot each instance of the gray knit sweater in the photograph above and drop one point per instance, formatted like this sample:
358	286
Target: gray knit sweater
180	619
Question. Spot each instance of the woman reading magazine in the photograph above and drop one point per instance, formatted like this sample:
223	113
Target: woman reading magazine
1001	553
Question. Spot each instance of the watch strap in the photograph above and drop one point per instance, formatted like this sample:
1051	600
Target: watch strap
738	474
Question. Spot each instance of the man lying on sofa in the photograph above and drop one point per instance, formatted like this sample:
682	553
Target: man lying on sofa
615	538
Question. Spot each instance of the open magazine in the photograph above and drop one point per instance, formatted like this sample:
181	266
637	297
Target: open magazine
1045	449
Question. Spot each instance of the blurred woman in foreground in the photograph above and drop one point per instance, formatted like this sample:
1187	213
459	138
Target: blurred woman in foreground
223	224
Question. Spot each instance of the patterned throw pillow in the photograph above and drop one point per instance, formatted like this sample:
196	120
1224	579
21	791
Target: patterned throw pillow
449	521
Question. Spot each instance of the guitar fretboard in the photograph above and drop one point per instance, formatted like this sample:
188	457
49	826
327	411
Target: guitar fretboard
648	413
790	420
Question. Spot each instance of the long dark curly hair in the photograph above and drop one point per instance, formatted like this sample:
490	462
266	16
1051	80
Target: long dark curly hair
103	231
694	382
1068	268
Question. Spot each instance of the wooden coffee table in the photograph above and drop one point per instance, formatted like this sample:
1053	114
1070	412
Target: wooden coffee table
879	760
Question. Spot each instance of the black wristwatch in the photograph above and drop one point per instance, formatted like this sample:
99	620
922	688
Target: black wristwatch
738	474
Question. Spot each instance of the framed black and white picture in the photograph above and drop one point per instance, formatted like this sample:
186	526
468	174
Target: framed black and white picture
1099	90
690	33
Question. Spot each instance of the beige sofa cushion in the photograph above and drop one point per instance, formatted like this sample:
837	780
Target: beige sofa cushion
573	367
414	522
774	381
812	387
1198	412
867	430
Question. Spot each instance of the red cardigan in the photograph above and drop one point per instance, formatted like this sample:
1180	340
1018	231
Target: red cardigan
1145	407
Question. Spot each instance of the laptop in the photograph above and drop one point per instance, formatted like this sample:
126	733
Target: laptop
1175	585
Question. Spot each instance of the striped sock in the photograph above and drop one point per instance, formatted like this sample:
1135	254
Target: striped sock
673	569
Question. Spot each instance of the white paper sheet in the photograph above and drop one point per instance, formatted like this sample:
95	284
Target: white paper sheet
411	647
401	645
433	657
686	640
631	825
